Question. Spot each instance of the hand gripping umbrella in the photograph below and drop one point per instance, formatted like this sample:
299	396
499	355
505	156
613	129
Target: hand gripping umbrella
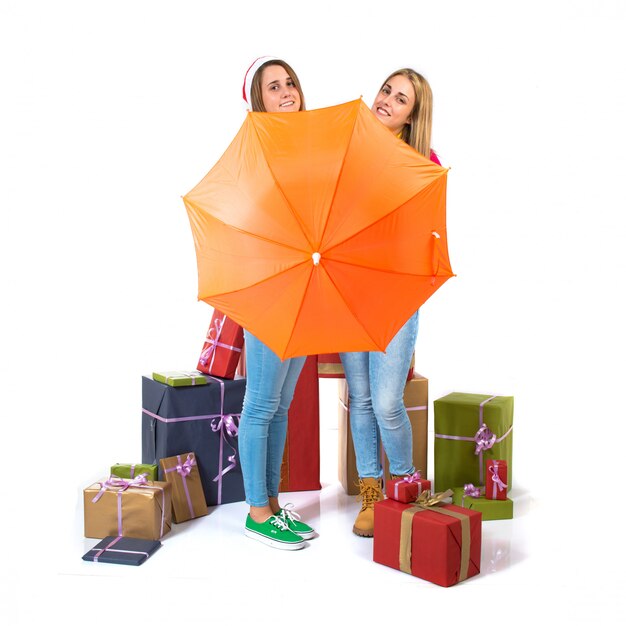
320	231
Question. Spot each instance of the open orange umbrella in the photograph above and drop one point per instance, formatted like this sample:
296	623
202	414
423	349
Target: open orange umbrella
319	231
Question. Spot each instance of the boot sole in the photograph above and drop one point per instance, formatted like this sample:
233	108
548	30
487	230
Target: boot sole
281	545
362	533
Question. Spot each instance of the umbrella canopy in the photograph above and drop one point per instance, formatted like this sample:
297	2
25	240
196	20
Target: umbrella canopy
319	231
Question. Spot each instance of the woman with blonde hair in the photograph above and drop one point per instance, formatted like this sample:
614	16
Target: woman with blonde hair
270	85
376	380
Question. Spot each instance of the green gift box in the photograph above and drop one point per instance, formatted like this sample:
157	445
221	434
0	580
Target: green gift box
470	429
179	378
132	470
491	509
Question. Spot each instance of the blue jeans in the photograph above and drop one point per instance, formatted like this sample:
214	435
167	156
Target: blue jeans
376	382
263	426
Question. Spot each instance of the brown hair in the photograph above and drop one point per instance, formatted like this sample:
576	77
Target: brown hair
417	131
256	97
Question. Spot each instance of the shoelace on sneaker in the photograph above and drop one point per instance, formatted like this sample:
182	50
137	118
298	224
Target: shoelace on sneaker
278	522
370	494
288	513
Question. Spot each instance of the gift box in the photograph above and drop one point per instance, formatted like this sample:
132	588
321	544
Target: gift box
122	550
188	501
130	508
132	470
222	348
300	470
438	542
470	429
330	366
491	509
408	488
204	419
416	403
496	480
180	378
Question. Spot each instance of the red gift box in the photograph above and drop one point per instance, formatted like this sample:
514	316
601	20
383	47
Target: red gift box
222	348
300	470
439	543
406	489
496	480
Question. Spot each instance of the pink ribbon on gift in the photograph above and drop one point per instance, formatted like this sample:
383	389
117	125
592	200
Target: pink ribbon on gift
121	484
498	484
214	343
470	490
108	548
483	439
184	469
413	478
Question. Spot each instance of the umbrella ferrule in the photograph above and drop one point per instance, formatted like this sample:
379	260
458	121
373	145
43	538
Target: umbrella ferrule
316	256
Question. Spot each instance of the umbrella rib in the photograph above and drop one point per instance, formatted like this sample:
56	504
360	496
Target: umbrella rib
343	162
247	232
381	218
295	215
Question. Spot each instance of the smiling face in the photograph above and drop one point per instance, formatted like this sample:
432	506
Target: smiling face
394	103
278	91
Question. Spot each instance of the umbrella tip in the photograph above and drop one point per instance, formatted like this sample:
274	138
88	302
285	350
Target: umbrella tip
316	256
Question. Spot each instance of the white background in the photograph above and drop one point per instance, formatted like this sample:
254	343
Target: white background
111	111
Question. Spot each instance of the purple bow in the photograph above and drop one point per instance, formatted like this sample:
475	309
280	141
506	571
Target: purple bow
184	469
226	426
471	491
213	341
484	439
116	481
413	478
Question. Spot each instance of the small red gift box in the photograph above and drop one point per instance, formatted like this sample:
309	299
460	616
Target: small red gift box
440	543
406	489
222	348
496	480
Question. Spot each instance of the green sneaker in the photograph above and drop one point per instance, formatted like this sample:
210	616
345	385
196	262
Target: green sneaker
292	519
274	532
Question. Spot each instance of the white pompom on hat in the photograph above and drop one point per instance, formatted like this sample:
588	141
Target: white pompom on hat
252	70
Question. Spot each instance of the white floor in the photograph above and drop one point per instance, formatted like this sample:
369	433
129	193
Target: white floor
542	563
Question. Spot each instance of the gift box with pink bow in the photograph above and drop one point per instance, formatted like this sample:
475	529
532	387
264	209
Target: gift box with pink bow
181	471
222	347
472	497
135	507
204	419
470	430
407	488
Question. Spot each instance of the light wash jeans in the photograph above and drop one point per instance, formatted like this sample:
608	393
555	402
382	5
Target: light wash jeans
376	382
263	426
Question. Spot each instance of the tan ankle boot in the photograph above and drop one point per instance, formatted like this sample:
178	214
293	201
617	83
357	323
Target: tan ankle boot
371	491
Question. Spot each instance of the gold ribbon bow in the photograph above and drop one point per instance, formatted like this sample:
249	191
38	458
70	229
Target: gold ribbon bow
428	501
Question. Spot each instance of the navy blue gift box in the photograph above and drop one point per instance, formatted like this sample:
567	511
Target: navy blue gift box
202	419
122	550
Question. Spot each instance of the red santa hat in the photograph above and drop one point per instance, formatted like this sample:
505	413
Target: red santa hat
252	70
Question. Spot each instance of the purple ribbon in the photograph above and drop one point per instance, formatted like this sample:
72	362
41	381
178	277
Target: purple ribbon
108	548
214	343
483	439
132	471
413	478
121	484
498	484
470	490
184	469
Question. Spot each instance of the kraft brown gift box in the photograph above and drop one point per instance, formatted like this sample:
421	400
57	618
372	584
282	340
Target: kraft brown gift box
188	501
416	403
144	511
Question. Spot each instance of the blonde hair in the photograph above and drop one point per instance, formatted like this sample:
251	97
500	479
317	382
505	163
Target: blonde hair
256	96
417	132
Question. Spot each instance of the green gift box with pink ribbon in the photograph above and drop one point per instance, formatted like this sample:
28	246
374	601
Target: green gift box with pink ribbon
470	429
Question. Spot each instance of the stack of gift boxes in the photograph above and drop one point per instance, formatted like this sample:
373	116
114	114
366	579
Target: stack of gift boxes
190	424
